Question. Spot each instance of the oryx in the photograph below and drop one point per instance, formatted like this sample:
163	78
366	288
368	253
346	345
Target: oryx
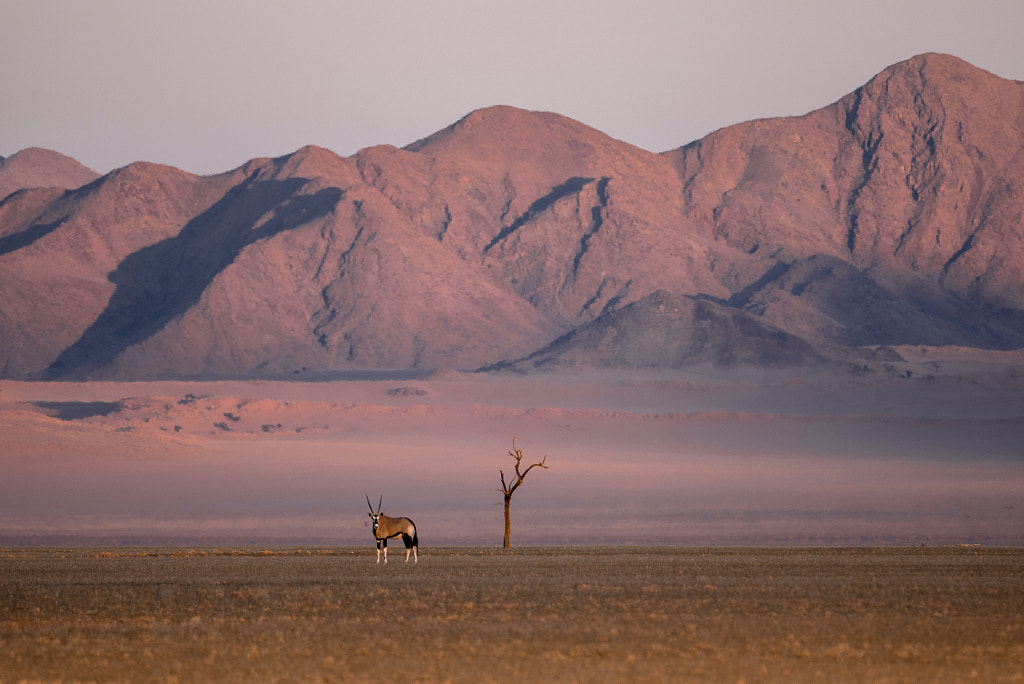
385	528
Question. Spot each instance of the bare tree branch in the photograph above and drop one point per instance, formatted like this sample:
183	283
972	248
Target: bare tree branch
508	489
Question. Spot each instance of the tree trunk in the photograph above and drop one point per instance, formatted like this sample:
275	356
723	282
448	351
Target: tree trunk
508	524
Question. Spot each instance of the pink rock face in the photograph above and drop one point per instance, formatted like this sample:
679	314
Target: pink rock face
38	168
892	216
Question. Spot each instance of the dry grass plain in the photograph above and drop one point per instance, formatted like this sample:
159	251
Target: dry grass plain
533	614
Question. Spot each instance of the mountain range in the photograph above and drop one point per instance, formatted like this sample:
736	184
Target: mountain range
524	240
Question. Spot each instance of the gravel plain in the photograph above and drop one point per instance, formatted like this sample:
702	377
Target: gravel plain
558	614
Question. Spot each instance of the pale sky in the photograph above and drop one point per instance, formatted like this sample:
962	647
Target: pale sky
205	85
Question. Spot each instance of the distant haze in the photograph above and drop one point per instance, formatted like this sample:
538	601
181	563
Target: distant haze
206	86
677	458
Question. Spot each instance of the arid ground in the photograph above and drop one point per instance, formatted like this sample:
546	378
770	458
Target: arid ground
534	614
814	526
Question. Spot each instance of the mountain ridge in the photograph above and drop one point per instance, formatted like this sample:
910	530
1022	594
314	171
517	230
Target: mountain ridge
891	216
36	167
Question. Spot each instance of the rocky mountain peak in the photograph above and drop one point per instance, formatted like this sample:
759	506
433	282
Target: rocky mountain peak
35	167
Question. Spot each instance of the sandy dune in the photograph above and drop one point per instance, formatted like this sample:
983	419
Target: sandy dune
696	457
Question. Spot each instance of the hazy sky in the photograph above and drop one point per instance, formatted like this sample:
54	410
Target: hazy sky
206	85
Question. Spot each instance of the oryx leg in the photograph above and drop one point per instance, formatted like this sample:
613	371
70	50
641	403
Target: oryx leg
411	545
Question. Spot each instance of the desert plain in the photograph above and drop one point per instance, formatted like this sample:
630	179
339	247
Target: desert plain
826	524
540	613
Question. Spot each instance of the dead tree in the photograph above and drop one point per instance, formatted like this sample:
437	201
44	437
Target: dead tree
508	488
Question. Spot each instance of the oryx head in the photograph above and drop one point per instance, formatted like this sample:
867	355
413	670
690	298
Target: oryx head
374	516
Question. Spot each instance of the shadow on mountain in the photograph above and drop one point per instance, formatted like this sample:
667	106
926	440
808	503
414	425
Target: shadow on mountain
868	312
666	330
162	281
569	187
10	243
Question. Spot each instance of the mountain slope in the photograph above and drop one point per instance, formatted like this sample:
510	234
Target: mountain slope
913	178
892	216
663	330
35	167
